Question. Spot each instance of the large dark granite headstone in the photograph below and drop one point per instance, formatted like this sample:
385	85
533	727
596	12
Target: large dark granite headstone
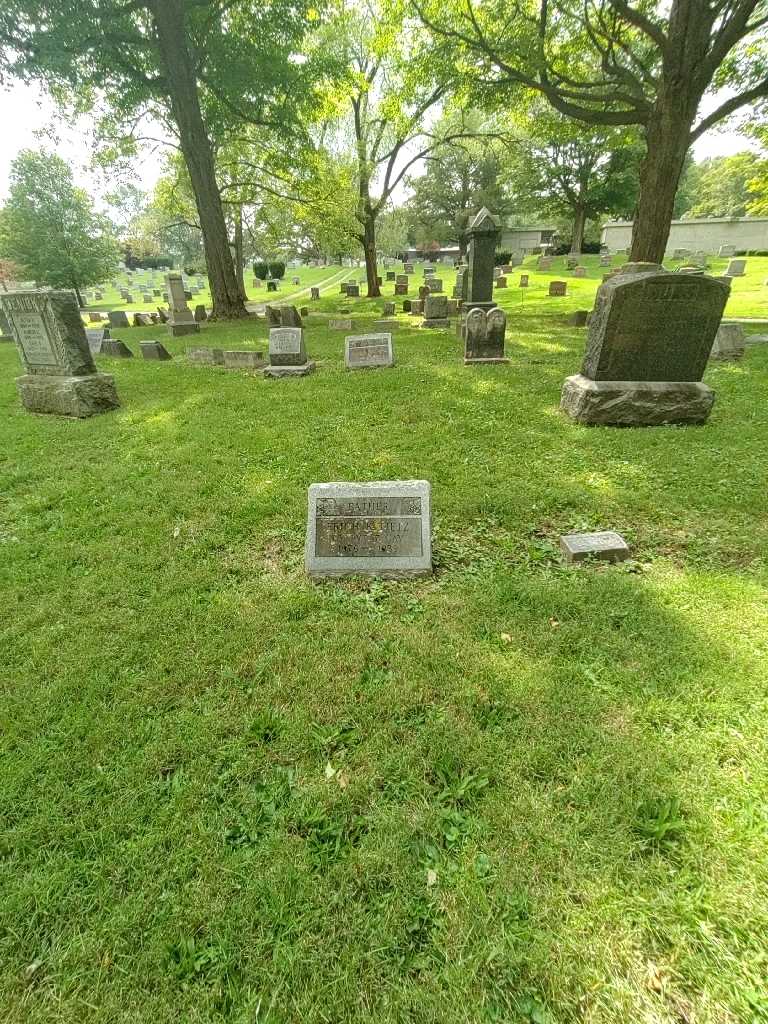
483	236
648	324
650	335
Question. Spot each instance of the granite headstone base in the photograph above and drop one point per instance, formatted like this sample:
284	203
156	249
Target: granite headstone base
68	396
635	403
179	330
289	371
154	350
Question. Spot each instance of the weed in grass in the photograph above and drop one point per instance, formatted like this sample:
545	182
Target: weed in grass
658	822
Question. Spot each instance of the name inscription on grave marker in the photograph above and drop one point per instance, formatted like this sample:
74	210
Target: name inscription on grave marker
33	338
369	527
285	340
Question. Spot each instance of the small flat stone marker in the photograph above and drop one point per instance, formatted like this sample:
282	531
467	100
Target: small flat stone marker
608	546
382	528
154	350
340	325
366	350
116	348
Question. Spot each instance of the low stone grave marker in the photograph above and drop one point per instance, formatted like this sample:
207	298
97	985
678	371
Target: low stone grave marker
128	298
607	546
314	294
374	529
435	285
401	289
737	268
118	318
146	297
389	309
94	318
557	289
417	307
340	325
271	286
524	280
287	353
98	296
60	375
368	350
391	275
729	343
353	291
435	311
579	271
407	268
578	319
201	313
242	359
501	282
154	350
386	325
116	348
205	356
295	280
727	250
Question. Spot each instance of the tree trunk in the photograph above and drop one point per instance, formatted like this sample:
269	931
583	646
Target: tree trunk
579	223
667	138
79	297
238	216
180	75
371	266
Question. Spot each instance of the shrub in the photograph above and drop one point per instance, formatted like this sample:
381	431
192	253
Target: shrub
277	269
501	257
260	270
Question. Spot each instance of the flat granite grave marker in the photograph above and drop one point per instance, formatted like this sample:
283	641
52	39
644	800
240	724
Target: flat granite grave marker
557	289
650	336
243	359
737	268
60	374
206	356
368	350
524	280
382	528
287	354
339	325
608	546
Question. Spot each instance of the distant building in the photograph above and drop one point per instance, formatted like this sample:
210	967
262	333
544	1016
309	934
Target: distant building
706	233
515	238
444	253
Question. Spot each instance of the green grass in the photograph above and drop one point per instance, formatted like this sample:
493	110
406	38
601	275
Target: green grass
512	792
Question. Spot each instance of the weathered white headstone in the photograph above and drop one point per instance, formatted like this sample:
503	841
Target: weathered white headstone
377	529
608	546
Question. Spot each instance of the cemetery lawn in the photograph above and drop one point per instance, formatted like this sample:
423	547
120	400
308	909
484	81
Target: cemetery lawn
512	792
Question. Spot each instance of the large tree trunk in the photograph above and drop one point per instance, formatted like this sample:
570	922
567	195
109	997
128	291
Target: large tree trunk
238	217
667	138
579	223
179	71
80	302
369	249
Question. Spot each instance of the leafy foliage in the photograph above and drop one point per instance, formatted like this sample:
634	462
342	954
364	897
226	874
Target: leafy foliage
48	225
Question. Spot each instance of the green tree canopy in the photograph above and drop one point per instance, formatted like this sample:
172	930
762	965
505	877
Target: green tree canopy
48	225
567	169
460	178
720	186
